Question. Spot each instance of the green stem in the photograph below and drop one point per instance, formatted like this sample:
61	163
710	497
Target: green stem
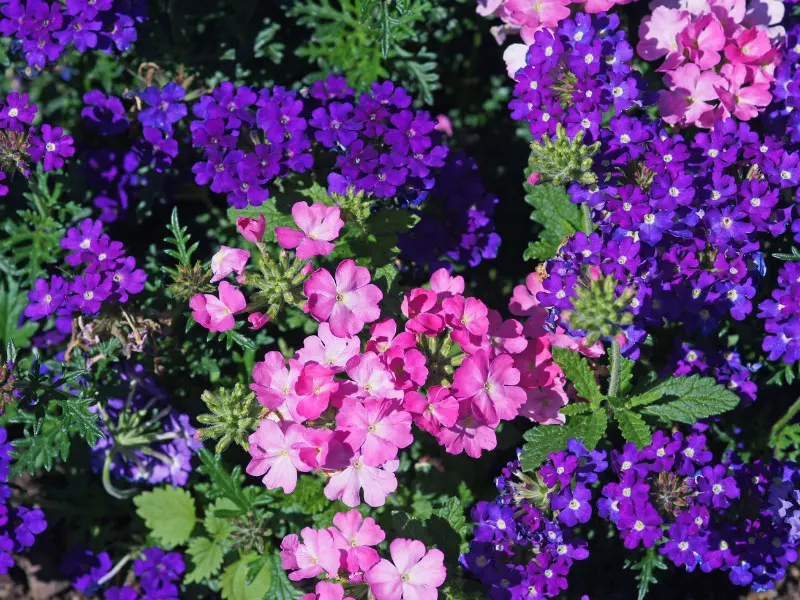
587	218
784	421
616	367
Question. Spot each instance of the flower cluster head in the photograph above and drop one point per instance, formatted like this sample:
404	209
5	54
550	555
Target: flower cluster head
719	58
782	314
146	440
726	367
19	528
453	367
21	143
572	76
157	574
529	18
106	275
44	29
781	116
704	515
679	221
523	544
345	555
456	221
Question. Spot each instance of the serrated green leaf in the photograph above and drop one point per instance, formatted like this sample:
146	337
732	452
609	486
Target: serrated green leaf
273	216
558	217
578	371
215	522
168	513
229	485
12	302
452	513
541	442
75	417
234	580
625	375
633	428
575	408
281	588
685	399
591	428
206	557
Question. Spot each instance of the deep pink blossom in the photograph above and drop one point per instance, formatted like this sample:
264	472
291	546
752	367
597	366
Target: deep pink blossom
467	313
252	229
319	226
273	382
356	535
439	409
215	313
376	428
413	573
326	590
314	388
347	302
317	554
467	435
492	386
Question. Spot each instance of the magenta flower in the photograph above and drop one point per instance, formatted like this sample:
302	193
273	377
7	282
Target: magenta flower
439	409
467	435
276	455
314	388
378	428
319	225
228	260
252	229
491	386
377	483
413	574
470	314
273	383
326	590
348	302
216	313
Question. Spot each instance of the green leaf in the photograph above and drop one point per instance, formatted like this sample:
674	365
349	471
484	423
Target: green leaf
575	408
633	428
206	557
558	217
273	216
787	443
168	513
229	484
795	255
647	566
281	588
685	399
453	513
234	580
542	441
180	239
75	416
625	375
12	302
578	371
43	444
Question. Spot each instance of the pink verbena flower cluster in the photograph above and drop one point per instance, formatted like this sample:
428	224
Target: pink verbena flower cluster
345	555
719	57
526	17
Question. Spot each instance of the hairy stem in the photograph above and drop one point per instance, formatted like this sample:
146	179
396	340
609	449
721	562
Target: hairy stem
616	367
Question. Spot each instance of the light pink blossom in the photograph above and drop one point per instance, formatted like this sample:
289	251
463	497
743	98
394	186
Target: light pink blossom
347	302
467	435
326	590
215	313
275	455
658	33
413	573
317	554
273	382
319	226
327	349
356	535
377	483
228	260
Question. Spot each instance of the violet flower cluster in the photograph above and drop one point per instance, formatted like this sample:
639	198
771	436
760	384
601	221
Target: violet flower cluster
43	30
456	222
524	545
18	529
21	143
156	574
782	116
162	109
574	75
102	274
733	517
782	314
726	367
146	440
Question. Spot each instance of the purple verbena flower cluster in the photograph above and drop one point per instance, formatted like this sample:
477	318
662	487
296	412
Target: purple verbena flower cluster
43	30
18	530
726	367
574	75
782	314
523	543
146	440
456	222
20	142
700	514
164	108
156	574
782	116
107	275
